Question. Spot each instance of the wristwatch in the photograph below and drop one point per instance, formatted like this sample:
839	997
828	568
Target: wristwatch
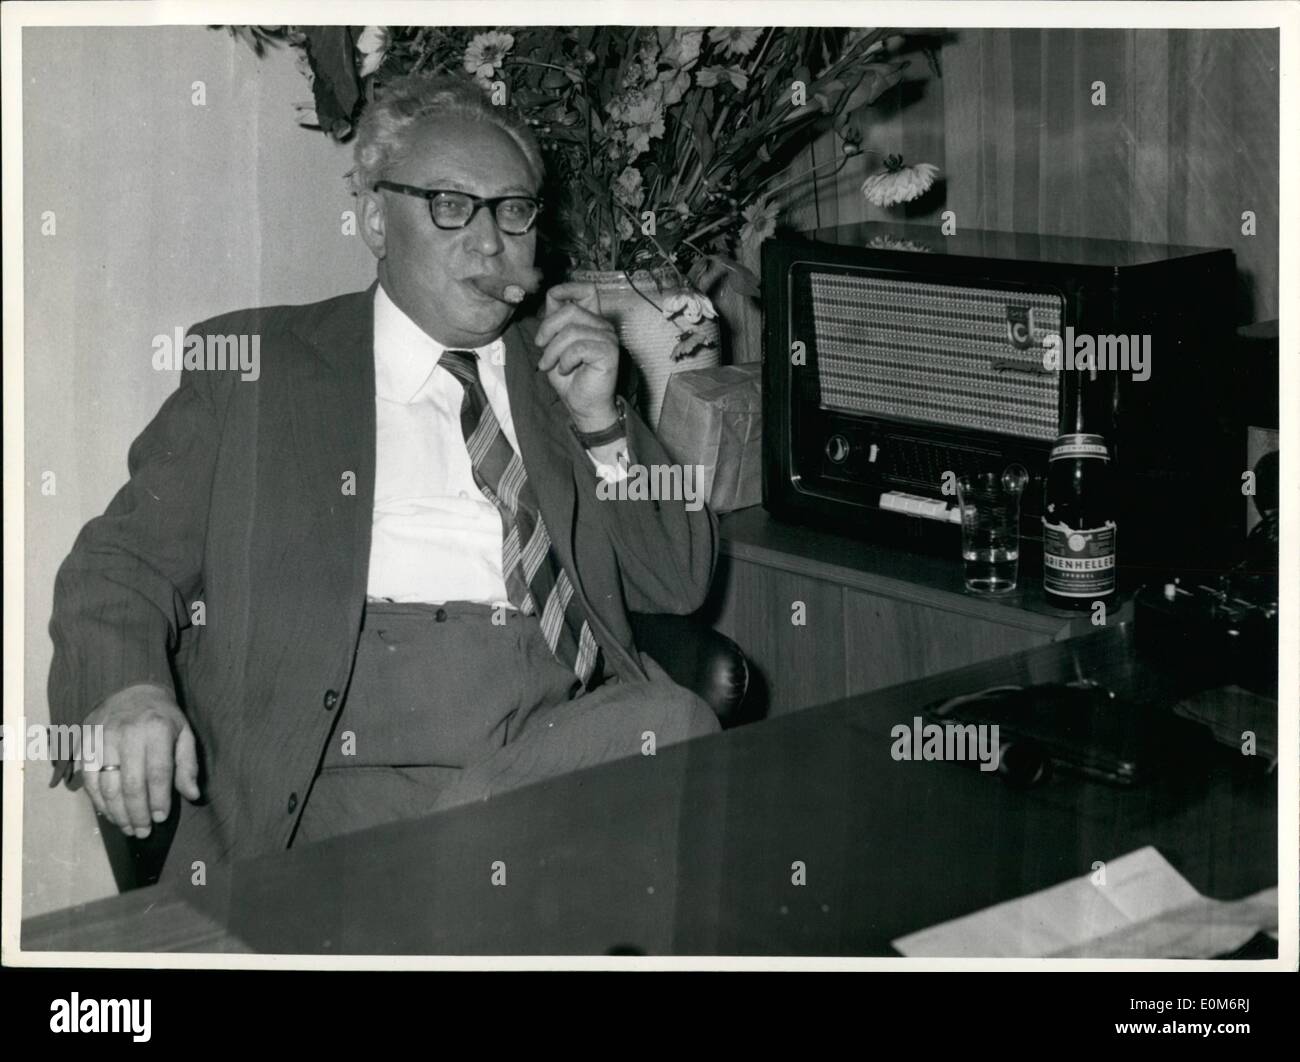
614	432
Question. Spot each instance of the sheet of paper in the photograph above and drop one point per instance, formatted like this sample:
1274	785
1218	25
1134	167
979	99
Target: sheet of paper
1143	909
1201	930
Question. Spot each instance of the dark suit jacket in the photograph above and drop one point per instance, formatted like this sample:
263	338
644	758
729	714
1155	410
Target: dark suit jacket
240	497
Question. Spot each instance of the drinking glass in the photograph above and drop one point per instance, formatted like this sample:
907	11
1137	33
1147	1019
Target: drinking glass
990	528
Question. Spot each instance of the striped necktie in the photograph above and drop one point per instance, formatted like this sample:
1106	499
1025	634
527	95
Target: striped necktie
529	566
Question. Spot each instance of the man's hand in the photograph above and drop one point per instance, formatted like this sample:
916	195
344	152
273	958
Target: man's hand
580	354
147	738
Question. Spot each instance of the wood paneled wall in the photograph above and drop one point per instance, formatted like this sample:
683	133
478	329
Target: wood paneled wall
1186	141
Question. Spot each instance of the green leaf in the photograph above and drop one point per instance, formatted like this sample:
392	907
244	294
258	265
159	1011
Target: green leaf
743	279
877	78
524	98
335	88
703	142
692	342
566	133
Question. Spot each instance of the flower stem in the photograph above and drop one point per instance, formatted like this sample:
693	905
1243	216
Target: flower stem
515	60
707	228
838	163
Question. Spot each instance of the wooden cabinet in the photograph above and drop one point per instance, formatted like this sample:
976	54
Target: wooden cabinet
888	641
793	665
821	616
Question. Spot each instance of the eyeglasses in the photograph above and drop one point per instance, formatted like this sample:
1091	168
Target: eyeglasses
514	214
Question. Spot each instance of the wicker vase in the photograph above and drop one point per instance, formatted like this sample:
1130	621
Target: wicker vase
646	335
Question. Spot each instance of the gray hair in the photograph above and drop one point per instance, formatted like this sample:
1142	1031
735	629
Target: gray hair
384	130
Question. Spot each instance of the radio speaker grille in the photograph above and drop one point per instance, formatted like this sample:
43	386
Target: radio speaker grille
936	353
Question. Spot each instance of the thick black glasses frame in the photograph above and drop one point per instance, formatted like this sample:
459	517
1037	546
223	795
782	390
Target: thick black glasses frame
478	203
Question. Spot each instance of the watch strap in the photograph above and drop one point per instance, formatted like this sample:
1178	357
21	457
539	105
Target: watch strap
613	433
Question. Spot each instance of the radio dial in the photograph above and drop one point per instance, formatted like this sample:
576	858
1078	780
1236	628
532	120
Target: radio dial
837	448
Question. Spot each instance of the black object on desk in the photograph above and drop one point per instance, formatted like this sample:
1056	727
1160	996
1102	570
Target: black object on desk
1080	727
1210	635
1225	629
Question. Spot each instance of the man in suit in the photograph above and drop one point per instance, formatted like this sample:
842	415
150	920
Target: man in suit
380	579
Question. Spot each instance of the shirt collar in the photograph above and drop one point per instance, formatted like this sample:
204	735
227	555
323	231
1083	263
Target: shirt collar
406	355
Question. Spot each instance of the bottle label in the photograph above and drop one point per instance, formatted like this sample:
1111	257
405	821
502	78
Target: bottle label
1079	562
1079	445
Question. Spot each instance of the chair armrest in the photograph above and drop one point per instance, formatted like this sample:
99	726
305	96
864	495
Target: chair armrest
697	657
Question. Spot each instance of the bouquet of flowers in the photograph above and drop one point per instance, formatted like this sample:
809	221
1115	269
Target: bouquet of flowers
667	147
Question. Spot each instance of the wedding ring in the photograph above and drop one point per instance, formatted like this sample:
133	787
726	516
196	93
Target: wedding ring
106	767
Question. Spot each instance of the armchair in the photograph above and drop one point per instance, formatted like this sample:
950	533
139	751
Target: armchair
697	657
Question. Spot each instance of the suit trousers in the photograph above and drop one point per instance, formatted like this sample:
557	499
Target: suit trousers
450	704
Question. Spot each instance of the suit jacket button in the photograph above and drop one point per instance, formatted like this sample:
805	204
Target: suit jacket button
293	803
440	615
331	700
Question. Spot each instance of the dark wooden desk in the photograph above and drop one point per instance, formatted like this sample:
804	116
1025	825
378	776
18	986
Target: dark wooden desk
691	851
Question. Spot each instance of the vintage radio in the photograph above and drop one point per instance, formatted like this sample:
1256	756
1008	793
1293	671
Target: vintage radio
894	355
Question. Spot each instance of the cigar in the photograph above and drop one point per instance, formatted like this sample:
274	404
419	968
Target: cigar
507	290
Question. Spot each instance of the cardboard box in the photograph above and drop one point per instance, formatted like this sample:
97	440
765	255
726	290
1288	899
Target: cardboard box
713	418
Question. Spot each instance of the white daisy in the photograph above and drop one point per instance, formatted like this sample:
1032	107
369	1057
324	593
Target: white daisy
690	306
487	52
897	183
735	40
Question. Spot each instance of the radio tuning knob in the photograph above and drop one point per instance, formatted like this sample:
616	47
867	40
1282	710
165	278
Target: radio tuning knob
837	448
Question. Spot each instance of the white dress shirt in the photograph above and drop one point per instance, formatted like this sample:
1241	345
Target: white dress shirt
436	537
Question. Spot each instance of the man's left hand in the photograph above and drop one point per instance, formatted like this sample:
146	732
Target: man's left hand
580	354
